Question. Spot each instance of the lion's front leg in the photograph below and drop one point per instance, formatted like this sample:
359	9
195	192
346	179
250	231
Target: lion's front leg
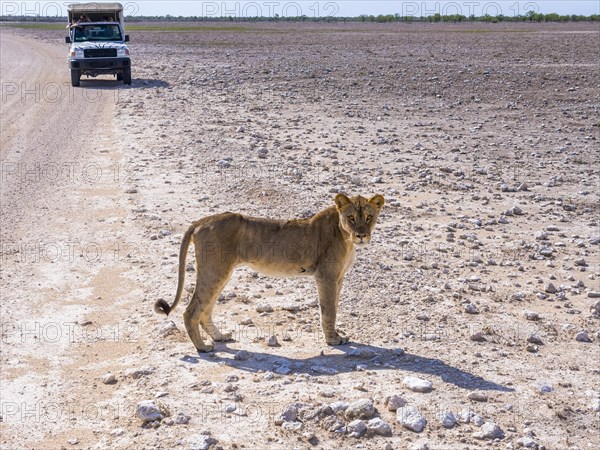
329	287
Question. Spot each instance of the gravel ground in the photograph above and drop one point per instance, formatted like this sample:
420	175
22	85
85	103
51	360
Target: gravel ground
473	315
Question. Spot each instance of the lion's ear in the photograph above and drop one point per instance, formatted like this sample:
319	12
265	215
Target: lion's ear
341	200
377	201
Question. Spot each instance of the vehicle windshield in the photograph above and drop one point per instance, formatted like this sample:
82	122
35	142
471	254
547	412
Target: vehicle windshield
97	32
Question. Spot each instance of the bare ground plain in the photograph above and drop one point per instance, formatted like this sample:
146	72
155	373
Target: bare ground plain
483	269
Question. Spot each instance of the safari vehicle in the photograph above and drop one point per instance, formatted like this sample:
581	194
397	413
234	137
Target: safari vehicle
97	41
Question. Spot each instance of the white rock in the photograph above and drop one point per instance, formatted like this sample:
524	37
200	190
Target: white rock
182	419
323	369
530	315
417	384
360	409
290	413
339	407
478	396
394	402
379	426
165	328
470	308
582	336
202	442
241	355
356	428
447	419
292	426
283	370
148	411
108	378
410	418
489	430
527	442
264	308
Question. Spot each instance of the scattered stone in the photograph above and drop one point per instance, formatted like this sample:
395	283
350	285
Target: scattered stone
241	355
138	373
394	402
73	441
356	428
527	442
530	315
478	337
594	294
109	378
166	328
478	396
203	441
543	387
447	419
580	262
470	308
411	419
339	407
292	426
379	426
582	336
323	369
148	411
535	339
182	419
417	384
290	412
283	370
360	409
272	342
550	288
489	430
264	308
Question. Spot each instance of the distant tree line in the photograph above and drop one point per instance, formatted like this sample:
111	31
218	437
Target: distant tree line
531	16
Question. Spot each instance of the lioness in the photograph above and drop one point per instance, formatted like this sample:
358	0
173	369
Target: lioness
321	246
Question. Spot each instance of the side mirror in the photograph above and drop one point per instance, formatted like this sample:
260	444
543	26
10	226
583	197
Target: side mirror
126	38
67	39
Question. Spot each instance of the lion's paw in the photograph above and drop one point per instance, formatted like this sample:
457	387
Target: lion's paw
338	339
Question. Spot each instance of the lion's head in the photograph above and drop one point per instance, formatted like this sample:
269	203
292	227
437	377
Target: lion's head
358	216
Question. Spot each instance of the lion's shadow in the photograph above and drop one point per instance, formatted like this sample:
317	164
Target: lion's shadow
370	357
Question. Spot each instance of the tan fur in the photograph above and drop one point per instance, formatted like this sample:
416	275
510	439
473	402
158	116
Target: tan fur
321	246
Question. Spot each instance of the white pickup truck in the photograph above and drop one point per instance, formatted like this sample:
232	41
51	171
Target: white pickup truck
97	41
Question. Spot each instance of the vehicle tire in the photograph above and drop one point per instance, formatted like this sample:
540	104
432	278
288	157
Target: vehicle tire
75	77
127	75
120	76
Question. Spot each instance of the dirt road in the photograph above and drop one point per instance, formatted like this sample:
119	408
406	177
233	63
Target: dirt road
60	197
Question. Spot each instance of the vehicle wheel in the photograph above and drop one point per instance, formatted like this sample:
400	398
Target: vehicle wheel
127	75
75	77
120	76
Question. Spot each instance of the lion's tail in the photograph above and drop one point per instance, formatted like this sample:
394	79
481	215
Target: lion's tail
161	306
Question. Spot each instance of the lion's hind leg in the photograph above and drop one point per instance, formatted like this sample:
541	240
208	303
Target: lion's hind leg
191	318
211	281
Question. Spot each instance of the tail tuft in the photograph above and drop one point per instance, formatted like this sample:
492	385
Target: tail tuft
162	307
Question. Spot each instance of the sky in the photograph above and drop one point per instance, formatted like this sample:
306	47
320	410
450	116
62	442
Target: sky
342	8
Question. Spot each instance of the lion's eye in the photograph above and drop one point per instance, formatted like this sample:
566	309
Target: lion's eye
351	218
369	218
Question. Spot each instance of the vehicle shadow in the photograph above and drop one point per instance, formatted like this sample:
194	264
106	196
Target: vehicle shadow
371	357
113	84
